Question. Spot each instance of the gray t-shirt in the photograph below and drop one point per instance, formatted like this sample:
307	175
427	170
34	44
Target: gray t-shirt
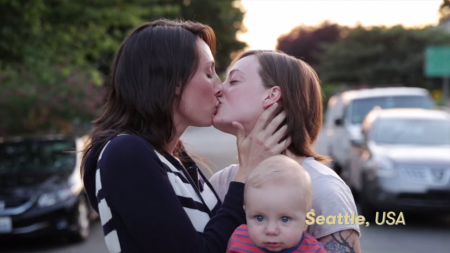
330	195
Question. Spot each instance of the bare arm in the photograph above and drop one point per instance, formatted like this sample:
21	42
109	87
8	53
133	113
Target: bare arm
342	241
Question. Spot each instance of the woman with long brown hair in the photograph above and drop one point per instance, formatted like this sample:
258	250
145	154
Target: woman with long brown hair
258	79
149	193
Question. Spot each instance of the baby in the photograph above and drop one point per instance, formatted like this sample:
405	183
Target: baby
277	197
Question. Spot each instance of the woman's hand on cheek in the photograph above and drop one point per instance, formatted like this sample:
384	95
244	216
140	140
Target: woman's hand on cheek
262	142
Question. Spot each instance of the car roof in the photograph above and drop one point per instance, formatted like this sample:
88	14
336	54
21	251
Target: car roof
411	113
379	92
379	114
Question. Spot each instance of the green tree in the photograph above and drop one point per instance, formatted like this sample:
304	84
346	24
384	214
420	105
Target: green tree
53	32
45	44
444	10
379	56
53	53
225	17
304	42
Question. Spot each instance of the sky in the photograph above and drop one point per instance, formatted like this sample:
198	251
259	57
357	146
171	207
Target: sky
266	20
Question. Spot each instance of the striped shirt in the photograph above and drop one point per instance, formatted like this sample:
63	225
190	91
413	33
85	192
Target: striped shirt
150	202
240	242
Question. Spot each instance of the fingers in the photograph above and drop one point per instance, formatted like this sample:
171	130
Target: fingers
275	123
265	118
240	131
277	136
280	147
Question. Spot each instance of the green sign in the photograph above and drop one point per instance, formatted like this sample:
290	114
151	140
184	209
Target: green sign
437	61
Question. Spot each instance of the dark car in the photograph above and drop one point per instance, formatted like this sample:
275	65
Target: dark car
403	161
41	192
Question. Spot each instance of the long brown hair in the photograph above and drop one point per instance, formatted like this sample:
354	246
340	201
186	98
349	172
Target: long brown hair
301	97
151	62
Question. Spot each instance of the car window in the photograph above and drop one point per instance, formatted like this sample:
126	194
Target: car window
360	107
37	156
412	132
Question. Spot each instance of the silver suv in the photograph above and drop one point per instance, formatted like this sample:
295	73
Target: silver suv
347	110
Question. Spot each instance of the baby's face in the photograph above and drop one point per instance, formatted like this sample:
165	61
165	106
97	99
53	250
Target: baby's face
275	217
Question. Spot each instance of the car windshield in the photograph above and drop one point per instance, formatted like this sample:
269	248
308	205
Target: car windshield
360	107
37	156
412	132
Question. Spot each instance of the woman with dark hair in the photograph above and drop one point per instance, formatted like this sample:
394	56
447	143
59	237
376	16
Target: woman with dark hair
149	193
274	77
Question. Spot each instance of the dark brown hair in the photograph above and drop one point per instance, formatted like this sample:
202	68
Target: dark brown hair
151	62
301	97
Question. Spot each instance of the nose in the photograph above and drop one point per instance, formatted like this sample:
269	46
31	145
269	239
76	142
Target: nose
272	228
218	89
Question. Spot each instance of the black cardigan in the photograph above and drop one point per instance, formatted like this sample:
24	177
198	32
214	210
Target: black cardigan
145	214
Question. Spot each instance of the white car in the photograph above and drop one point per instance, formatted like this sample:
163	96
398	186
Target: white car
347	110
403	162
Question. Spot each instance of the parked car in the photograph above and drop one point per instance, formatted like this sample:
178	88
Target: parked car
347	110
41	191
403	161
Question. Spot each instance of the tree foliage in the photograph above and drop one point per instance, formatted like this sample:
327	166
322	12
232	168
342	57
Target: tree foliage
304	42
225	17
444	10
56	51
379	55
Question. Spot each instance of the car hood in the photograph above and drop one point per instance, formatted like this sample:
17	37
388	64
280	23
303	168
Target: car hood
29	184
414	154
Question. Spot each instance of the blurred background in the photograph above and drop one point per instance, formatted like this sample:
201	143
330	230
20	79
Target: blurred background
384	67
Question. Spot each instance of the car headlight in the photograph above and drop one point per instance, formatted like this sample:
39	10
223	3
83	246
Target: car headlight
383	167
51	198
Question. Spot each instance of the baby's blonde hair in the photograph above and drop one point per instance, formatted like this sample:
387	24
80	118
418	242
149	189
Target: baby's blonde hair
283	172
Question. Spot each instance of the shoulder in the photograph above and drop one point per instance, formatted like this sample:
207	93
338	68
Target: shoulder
324	180
127	141
242	230
330	197
126	145
126	153
317	169
312	243
221	180
226	175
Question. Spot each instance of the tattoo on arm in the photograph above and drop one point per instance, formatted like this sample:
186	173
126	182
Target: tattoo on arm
340	245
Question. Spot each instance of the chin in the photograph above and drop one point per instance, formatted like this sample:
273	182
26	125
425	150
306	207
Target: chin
205	123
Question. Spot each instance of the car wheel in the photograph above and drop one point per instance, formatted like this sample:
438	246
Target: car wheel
82	221
367	209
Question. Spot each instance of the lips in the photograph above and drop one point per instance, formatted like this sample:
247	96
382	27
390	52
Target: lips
272	244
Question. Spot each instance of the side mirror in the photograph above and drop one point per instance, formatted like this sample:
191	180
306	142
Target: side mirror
357	142
338	122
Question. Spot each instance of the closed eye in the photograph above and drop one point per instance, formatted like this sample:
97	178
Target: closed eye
233	81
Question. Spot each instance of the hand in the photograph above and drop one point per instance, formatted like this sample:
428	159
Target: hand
262	142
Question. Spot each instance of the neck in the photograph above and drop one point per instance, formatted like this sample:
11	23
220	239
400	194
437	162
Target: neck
171	145
180	127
